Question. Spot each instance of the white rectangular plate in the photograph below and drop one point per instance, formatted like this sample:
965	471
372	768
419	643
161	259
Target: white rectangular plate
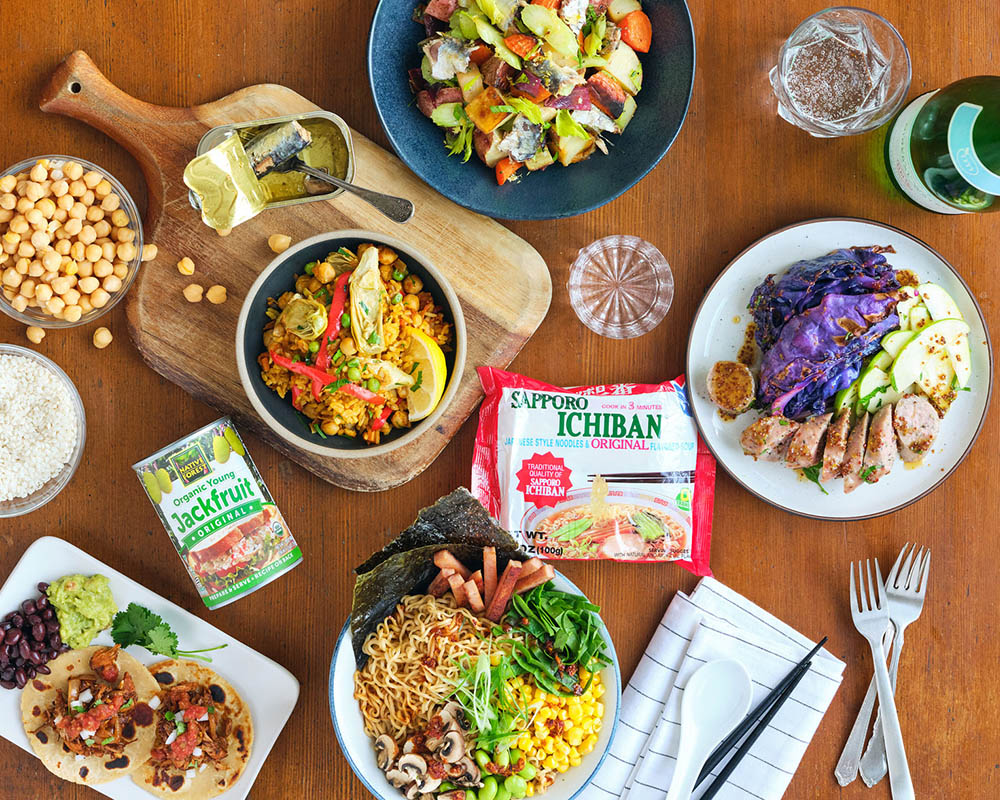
269	689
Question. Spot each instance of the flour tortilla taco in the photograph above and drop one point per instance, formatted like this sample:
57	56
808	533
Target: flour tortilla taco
89	720
203	733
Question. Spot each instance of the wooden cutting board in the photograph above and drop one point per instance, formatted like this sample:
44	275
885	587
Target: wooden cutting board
502	282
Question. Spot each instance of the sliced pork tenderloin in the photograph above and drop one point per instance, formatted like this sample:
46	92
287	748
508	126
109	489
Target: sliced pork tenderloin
806	446
916	424
836	446
855	456
767	438
880	455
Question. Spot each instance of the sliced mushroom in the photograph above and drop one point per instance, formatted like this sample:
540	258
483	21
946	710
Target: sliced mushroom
409	746
433	743
385	751
413	791
457	794
465	773
413	765
452	748
427	784
398	778
453	716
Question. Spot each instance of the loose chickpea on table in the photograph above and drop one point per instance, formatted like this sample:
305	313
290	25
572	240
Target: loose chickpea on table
66	245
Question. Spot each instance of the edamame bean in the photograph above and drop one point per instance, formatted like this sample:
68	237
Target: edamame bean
502	793
470	794
515	755
447	786
529	772
516	785
489	787
502	758
482	758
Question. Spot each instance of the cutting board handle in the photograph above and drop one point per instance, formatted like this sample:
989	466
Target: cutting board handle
155	135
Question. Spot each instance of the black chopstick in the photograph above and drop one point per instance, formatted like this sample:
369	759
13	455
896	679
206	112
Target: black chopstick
763	713
797	675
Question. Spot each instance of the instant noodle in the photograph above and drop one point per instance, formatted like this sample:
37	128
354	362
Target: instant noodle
612	472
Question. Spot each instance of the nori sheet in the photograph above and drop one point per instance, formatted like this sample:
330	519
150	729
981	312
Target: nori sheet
456	522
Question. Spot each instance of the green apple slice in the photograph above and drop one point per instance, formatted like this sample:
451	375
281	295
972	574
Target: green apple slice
894	341
921	356
920	318
846	398
940	305
909	299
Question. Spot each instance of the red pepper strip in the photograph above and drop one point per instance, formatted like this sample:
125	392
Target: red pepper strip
296	394
379	419
362	394
318	377
337	304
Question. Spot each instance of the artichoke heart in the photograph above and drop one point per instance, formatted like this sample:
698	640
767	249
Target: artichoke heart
391	376
304	317
366	305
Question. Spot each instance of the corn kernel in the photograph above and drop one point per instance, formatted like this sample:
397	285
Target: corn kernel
589	743
574	761
524	742
575	736
71	268
531	790
584	676
561	747
575	713
599	709
549	763
549	745
562	766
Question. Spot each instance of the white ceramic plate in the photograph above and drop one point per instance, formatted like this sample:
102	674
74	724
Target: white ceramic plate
360	752
715	335
269	689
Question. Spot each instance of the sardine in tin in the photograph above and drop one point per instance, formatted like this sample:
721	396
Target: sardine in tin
219	514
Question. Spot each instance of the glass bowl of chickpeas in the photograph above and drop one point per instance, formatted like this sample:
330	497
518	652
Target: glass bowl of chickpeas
70	241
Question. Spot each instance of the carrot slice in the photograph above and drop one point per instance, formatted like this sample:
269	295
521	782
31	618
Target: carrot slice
477	578
473	597
506	168
440	583
445	560
489	573
521	43
505	588
637	31
458	589
553	4
536	578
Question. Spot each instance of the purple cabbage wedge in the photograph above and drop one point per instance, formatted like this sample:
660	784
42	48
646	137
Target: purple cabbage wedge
821	351
853	271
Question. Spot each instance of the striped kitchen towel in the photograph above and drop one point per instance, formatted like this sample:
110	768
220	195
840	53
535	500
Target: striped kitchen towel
714	622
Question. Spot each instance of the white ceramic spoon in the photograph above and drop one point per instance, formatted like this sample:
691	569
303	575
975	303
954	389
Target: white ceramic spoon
716	698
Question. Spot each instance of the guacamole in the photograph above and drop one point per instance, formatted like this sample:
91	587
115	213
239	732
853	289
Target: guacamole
84	606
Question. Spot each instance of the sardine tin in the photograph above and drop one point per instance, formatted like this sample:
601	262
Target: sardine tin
218	513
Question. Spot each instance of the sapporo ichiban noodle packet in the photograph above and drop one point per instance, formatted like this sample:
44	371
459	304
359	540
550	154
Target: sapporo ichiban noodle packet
613	472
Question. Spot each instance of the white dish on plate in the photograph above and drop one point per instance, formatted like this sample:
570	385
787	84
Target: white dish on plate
716	335
360	750
269	689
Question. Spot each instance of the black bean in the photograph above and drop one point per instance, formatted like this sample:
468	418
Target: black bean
17	619
55	641
38	632
20	678
23	648
29	670
13	636
33	619
42	602
48	613
28	606
42	587
42	669
51	625
36	658
7	673
8	684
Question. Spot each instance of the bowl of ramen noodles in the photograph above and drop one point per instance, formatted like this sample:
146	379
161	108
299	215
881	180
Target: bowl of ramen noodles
620	525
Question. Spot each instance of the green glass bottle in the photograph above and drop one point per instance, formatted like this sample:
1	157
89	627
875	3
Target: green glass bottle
943	150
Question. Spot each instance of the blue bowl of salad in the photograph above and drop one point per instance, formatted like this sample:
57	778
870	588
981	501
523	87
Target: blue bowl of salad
531	112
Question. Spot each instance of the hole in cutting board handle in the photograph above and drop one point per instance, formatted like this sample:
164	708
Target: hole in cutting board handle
75	87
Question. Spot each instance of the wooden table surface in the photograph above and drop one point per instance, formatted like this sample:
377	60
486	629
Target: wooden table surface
735	173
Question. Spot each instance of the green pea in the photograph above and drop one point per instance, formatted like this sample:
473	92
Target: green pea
502	793
397	298
529	772
516	785
447	786
310	267
345	321
482	758
313	346
353	374
374	385
502	758
397	275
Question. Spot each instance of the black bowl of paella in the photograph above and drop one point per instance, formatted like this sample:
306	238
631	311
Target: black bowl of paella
350	344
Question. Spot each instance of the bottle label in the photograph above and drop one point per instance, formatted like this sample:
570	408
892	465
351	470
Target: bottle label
901	161
968	163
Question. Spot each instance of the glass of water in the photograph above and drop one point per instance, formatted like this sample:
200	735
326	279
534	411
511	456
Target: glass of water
844	71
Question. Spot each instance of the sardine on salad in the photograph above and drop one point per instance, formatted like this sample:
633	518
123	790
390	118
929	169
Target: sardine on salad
529	85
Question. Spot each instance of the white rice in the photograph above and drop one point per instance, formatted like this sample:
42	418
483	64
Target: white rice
38	426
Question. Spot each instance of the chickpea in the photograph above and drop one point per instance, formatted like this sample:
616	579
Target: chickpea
120	271
36	269
51	261
112	283
125	251
26	250
149	252
11	277
71	297
216	294
78	211
92	178
399	419
417	320
99	298
193	293
6	214
125	235
34	218
21	265
88	284
185	266
72	313
325	272
7	183
224	231
386	255
412	302
24	205
102	338
55	305
102	228
78	251
103	268
279	242
412	284
87	234
27	288
77	188
19	225
94	253
103	188
46	206
70	267
107	251
72	170
118	217
19	303
40	239
38	173
65	202
8	201
347	346
111	202
61	285
73	226
35	334
85	304
329	427
34	191
59	188
95	213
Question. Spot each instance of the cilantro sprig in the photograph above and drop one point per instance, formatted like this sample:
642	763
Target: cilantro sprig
140	626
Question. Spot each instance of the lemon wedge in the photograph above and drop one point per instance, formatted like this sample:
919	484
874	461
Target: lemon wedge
431	373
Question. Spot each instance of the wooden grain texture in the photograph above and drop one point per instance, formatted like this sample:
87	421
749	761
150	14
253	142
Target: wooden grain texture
192	344
735	173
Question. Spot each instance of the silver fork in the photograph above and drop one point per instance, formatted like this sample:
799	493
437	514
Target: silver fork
871	618
850	759
904	592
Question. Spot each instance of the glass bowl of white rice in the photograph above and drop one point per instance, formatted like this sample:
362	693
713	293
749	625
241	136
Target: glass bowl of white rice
43	432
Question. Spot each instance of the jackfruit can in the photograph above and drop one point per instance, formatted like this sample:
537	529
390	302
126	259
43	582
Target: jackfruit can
220	516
